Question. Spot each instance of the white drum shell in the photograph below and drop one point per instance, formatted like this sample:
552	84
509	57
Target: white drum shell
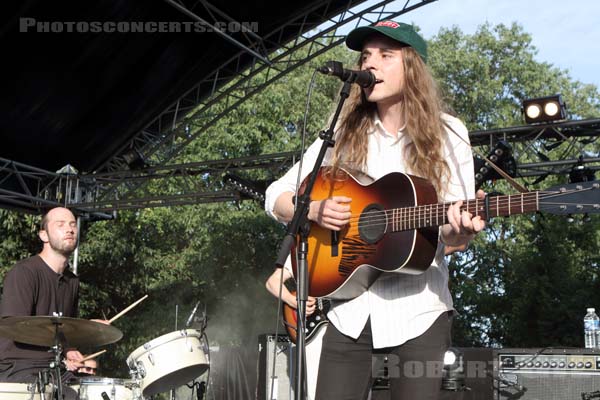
91	388
23	391
169	361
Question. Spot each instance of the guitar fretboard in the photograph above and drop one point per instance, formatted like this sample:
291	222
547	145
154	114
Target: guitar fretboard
406	218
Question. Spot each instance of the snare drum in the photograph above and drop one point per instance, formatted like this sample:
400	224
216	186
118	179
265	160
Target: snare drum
92	388
168	361
23	391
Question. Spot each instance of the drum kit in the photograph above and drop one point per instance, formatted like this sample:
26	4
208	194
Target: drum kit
157	366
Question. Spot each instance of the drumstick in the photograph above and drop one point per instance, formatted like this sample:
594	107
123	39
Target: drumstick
92	355
113	319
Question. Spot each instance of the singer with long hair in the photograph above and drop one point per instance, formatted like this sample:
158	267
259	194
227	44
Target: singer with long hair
398	124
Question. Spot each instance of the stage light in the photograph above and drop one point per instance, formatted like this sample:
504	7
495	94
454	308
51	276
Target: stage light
551	109
544	109
249	189
453	376
501	155
581	173
134	160
533	111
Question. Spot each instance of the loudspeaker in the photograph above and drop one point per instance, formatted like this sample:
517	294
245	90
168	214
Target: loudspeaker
475	376
523	374
283	378
548	374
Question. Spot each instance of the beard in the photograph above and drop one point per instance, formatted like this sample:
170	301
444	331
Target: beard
65	247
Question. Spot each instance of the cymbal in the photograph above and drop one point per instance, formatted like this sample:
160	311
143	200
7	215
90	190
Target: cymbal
73	332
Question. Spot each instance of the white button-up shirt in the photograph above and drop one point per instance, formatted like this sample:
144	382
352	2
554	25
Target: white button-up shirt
401	306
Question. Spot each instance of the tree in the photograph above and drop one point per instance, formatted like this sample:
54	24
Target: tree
516	285
528	280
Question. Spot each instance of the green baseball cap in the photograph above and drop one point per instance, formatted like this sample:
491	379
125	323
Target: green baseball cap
398	31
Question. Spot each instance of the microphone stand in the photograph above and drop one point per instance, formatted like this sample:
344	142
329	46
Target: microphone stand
299	225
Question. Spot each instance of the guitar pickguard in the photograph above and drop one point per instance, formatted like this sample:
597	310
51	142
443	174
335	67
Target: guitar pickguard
354	250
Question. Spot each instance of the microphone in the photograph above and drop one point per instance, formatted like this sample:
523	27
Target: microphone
192	315
363	78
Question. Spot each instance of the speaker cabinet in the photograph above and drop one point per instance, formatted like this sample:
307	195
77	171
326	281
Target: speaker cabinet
283	379
524	374
548	374
475	377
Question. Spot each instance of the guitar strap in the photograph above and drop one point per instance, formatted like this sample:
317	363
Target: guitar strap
520	188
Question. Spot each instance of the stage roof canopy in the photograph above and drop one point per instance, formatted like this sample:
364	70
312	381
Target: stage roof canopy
77	97
92	84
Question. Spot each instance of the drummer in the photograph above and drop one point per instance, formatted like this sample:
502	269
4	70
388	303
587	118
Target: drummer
43	285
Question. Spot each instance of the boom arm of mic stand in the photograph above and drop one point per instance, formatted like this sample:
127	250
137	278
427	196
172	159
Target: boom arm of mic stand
300	224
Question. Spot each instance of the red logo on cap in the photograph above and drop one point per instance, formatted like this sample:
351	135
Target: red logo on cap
389	24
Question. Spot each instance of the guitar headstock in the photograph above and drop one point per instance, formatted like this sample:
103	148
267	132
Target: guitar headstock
573	198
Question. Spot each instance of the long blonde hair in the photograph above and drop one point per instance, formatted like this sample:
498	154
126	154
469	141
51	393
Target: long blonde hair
422	110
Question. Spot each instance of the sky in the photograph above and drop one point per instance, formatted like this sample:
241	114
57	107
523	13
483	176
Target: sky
566	33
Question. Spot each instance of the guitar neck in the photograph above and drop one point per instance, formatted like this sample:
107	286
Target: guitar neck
406	218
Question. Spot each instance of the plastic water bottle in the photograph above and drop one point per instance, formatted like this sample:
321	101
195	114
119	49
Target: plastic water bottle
591	327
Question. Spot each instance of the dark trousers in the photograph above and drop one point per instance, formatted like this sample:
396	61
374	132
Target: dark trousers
346	369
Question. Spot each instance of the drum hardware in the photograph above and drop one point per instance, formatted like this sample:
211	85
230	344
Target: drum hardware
57	349
96	388
173	360
139	371
24	391
168	361
41	383
32	387
58	332
39	389
191	317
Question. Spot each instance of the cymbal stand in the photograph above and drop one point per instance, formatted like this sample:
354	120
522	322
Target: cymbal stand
172	391
57	349
40	385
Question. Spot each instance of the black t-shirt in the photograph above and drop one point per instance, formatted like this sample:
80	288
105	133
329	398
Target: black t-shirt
31	287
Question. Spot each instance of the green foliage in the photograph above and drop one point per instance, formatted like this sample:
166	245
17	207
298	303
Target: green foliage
218	254
487	75
526	282
19	238
273	120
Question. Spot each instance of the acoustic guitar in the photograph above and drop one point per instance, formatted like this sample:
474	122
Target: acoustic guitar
394	227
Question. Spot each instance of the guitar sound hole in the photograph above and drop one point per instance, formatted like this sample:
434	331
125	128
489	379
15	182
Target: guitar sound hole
372	223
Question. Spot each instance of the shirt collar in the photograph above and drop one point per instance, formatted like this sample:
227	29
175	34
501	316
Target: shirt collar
379	128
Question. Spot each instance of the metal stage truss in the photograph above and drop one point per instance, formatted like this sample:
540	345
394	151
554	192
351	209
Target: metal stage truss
232	83
538	151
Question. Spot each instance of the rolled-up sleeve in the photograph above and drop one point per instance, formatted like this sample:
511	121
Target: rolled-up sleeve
287	183
459	157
